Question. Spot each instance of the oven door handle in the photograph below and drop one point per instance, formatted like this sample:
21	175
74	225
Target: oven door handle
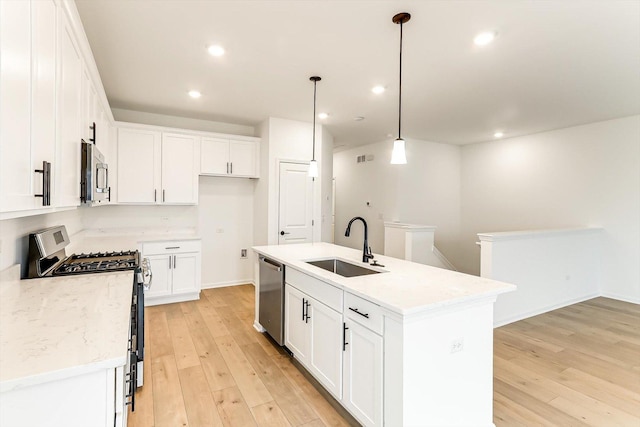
147	274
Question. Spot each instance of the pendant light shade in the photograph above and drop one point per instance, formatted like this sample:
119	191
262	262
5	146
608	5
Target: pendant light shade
398	155
313	165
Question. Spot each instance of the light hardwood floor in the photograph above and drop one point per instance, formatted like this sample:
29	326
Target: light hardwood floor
576	366
206	366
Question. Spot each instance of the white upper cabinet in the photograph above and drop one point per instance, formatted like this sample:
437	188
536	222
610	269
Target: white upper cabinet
69	119
180	157
229	157
157	168
27	101
139	162
47	101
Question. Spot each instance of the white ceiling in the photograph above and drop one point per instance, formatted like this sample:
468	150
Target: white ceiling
554	64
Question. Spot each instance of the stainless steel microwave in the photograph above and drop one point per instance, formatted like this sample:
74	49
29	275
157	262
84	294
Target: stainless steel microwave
94	175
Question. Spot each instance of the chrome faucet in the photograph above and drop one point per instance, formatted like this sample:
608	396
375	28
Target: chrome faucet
366	252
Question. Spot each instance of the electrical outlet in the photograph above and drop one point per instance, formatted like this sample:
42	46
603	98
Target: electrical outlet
243	253
457	345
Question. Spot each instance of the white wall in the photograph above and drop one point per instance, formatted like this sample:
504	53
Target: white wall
576	177
285	139
326	184
424	191
132	217
14	234
552	269
226	225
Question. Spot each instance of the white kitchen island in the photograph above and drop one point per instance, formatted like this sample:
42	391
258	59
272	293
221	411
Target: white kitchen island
411	345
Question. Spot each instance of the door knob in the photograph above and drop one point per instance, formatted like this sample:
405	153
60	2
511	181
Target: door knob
282	233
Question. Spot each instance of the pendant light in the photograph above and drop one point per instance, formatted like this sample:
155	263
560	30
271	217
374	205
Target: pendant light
398	155
313	165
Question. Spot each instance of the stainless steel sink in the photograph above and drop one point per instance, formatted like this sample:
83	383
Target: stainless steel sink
343	268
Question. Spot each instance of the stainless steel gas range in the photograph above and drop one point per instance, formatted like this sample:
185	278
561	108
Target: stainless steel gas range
47	258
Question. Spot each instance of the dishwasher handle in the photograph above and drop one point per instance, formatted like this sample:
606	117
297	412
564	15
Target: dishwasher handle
271	264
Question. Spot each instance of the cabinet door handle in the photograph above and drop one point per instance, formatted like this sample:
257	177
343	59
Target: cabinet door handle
46	183
172	247
162	196
306	316
344	337
355	310
155	195
170	262
227	167
303	306
231	168
174	261
93	133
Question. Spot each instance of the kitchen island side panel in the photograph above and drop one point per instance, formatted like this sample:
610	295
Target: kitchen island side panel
439	368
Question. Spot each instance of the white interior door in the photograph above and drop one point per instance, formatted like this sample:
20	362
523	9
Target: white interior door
296	204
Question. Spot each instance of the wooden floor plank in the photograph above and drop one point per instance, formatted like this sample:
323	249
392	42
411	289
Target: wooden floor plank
241	334
159	337
233	409
214	297
198	399
301	386
594	377
168	403
294	407
183	348
542	409
214	367
211	318
250	385
269	415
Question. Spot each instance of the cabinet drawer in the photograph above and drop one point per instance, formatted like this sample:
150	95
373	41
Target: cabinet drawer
323	292
169	247
364	312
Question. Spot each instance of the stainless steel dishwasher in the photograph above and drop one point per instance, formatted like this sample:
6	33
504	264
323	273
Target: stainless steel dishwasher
272	298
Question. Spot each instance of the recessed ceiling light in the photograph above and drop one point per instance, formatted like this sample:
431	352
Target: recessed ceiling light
323	115
498	134
485	38
377	89
194	94
215	50
358	118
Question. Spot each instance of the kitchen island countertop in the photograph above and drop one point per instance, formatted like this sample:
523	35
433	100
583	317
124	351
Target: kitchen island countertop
402	287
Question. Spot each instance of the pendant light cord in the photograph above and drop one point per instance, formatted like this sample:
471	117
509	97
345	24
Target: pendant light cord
314	120
313	158
400	93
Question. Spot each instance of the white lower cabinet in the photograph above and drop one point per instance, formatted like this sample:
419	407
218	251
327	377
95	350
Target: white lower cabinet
326	346
363	374
176	269
338	338
313	333
91	399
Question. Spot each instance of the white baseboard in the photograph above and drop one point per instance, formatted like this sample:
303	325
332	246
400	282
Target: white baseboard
258	327
521	316
168	299
619	297
225	284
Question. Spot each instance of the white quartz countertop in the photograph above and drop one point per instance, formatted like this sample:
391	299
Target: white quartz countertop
54	328
403	287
